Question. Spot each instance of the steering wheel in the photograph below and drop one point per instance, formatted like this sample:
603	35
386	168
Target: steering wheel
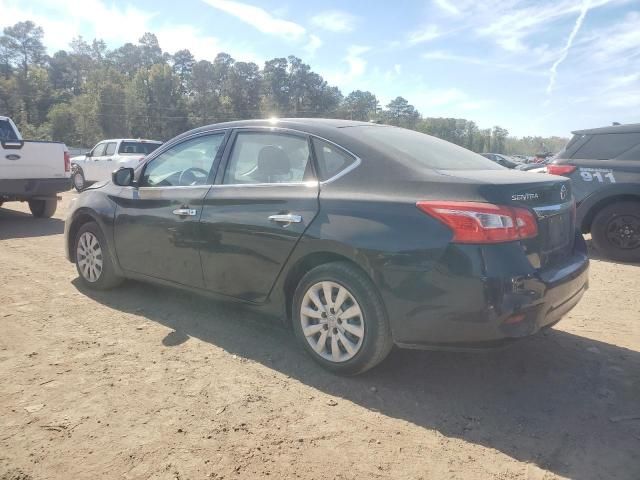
189	176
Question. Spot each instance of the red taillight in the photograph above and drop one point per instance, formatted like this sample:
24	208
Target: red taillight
475	222
563	170
67	162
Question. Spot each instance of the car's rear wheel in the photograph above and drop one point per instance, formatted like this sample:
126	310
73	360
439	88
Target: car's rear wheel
43	208
93	261
615	231
78	179
340	320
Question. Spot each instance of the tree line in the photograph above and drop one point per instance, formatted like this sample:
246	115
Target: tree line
87	93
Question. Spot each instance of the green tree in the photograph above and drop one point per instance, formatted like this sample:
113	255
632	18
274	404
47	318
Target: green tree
359	105
401	113
183	62
21	46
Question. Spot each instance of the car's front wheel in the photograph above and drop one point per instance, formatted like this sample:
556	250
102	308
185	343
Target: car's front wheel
615	231
78	179
93	261
340	320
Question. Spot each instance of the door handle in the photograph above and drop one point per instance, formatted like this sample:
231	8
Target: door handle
286	218
185	212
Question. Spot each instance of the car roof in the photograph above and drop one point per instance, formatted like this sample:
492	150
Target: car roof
315	126
130	140
628	128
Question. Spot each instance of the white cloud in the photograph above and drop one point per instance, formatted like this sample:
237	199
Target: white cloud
90	18
334	21
259	18
314	44
511	23
553	71
447	7
425	34
357	66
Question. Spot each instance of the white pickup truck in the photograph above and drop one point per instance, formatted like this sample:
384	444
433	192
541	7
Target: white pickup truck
32	171
107	156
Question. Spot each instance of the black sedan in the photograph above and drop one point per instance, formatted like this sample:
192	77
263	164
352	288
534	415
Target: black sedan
359	235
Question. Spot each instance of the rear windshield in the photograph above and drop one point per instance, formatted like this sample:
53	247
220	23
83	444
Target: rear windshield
423	150
140	148
6	131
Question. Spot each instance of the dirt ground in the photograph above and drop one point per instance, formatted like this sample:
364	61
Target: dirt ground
146	382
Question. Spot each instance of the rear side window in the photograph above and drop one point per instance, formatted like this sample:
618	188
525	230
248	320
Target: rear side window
331	159
605	146
6	131
268	158
137	148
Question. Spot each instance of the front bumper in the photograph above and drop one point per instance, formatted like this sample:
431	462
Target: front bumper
475	299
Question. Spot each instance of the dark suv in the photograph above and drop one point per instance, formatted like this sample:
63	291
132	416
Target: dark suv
604	167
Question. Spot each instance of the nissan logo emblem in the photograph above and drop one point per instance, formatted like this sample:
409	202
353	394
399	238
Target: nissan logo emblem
563	192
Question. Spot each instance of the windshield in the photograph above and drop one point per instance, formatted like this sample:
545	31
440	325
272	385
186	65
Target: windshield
6	131
424	150
139	148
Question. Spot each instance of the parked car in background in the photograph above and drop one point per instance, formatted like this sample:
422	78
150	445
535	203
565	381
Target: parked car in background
604	167
361	237
32	171
107	156
501	159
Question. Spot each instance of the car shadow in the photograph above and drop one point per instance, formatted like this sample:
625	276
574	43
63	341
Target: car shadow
594	254
561	401
15	224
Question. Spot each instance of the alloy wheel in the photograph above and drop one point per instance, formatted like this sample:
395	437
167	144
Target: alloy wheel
89	257
332	321
624	231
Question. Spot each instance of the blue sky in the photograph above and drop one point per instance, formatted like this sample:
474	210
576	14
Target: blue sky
534	67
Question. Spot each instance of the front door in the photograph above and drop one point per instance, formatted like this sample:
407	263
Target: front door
253	217
105	165
157	229
90	166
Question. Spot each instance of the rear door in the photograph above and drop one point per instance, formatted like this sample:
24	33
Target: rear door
254	215
157	229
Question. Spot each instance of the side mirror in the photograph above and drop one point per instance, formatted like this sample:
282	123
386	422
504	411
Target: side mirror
122	177
87	154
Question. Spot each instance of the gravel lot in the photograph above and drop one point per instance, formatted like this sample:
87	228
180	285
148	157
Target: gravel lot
148	382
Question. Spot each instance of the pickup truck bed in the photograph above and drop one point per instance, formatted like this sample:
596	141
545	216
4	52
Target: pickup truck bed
31	170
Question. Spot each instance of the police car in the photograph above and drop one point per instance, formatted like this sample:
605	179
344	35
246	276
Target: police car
604	167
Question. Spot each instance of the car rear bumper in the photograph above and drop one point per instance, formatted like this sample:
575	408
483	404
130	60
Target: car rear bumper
24	189
481	302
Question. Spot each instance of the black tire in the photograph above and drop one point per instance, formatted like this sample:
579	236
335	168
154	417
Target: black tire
107	277
43	208
615	231
377	340
77	180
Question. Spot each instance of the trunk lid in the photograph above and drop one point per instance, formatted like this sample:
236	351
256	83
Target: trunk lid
548	196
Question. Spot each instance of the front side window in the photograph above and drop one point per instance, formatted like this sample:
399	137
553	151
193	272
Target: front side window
331	159
6	131
111	148
98	150
186	164
268	158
